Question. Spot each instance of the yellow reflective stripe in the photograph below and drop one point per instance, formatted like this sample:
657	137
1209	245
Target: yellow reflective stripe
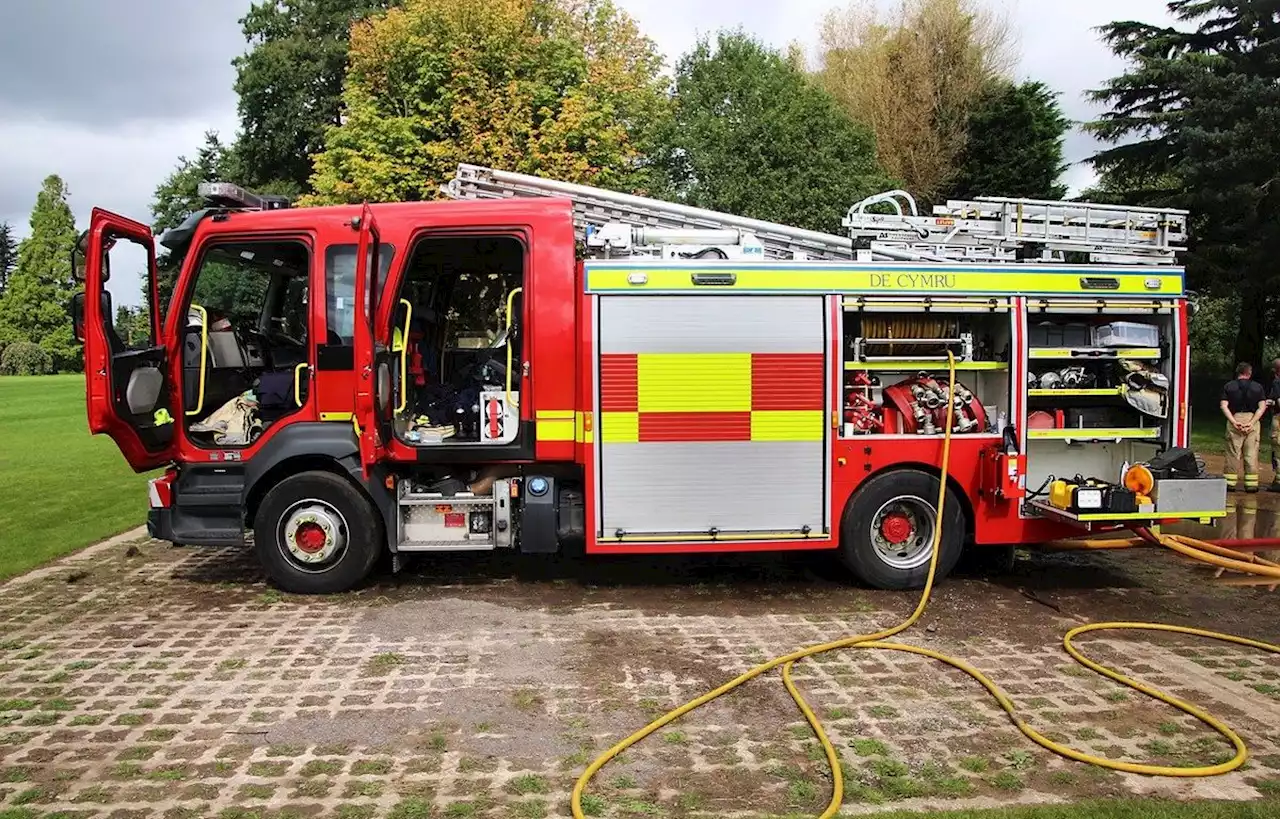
555	429
335	416
882	280
694	382
554	415
787	425
619	427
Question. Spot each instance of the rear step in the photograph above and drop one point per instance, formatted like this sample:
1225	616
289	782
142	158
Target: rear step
459	522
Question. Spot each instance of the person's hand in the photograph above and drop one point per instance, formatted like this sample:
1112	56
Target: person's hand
1239	427
1246	426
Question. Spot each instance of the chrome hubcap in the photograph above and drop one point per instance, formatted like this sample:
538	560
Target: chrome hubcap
313	534
902	532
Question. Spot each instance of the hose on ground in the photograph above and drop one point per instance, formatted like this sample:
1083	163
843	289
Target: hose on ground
1190	547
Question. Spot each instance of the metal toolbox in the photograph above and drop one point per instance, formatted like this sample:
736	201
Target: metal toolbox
1182	495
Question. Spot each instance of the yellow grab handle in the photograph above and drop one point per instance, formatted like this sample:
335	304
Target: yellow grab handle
297	383
404	357
204	355
511	298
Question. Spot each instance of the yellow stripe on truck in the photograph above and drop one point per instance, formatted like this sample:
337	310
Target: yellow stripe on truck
788	425
886	281
619	427
694	382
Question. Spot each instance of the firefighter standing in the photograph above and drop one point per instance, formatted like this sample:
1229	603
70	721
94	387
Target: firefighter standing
1243	403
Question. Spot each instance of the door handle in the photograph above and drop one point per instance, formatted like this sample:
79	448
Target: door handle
297	383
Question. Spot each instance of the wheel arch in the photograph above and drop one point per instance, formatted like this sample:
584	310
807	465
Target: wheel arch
320	446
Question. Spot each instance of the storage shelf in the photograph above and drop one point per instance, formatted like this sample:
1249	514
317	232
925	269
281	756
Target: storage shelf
1044	508
1094	353
1095	393
1100	434
931	366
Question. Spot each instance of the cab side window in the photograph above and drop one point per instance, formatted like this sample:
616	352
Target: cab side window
340	290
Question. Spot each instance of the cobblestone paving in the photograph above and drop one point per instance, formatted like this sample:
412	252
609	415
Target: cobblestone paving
145	681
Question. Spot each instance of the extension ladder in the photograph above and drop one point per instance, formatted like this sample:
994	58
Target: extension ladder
1004	229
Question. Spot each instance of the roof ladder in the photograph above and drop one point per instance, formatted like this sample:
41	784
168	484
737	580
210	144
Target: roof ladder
598	213
1032	230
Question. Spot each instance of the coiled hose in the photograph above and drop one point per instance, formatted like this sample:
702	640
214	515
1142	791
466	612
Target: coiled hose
877	640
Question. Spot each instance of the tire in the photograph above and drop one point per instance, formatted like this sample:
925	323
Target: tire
336	534
898	558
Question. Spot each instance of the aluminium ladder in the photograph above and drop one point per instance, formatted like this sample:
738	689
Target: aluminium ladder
986	229
596	207
1006	229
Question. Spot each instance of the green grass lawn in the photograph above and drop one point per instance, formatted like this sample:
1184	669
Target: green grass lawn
63	488
1209	431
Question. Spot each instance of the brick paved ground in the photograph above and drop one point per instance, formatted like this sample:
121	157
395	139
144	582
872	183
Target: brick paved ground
143	681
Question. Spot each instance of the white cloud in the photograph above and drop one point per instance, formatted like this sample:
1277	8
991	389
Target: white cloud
117	170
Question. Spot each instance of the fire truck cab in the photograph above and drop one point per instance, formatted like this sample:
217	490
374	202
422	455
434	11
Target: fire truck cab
343	382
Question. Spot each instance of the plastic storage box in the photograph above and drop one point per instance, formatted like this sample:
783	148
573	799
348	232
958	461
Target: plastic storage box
1126	334
1050	334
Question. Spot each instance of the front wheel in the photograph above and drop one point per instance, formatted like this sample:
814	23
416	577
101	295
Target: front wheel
886	536
316	533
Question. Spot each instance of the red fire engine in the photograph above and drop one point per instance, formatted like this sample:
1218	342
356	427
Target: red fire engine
537	364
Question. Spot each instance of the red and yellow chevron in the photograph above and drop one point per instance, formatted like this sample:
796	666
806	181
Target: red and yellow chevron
670	397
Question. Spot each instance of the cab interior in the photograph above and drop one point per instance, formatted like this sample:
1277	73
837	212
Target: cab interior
456	328
253	299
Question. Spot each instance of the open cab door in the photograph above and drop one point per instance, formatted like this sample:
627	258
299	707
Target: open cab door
128	391
373	372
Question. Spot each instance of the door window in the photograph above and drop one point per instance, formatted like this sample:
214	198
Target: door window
245	344
340	289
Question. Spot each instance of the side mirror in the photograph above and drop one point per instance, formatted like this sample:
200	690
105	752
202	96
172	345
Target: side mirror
77	316
81	251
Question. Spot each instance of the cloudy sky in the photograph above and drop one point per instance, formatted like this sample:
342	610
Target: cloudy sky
109	100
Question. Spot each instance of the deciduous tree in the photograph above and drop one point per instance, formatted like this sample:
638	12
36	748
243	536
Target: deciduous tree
290	85
34	305
753	135
914	77
8	253
565	89
1195	122
1013	144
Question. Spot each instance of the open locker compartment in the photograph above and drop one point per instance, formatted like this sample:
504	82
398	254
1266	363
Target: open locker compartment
895	366
1103	395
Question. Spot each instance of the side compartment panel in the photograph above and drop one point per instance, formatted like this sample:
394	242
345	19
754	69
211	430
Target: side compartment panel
711	415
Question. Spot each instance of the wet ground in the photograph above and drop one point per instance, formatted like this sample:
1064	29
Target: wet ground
138	680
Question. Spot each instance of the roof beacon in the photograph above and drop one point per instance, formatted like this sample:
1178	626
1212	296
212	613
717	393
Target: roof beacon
227	195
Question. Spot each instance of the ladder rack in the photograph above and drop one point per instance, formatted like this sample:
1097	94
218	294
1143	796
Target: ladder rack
987	229
596	207
1004	229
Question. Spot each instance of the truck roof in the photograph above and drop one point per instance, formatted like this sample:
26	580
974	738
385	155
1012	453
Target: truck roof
392	217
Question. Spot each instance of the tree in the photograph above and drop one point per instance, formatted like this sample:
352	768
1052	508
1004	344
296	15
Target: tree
8	253
1195	123
290	85
752	135
178	196
565	89
1014	144
914	78
34	305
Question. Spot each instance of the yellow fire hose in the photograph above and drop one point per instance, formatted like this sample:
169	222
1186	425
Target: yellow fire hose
1190	547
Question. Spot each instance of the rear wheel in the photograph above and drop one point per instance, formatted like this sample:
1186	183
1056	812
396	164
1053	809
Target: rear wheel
886	536
315	533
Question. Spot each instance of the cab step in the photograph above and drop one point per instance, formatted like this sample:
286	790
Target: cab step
455	522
